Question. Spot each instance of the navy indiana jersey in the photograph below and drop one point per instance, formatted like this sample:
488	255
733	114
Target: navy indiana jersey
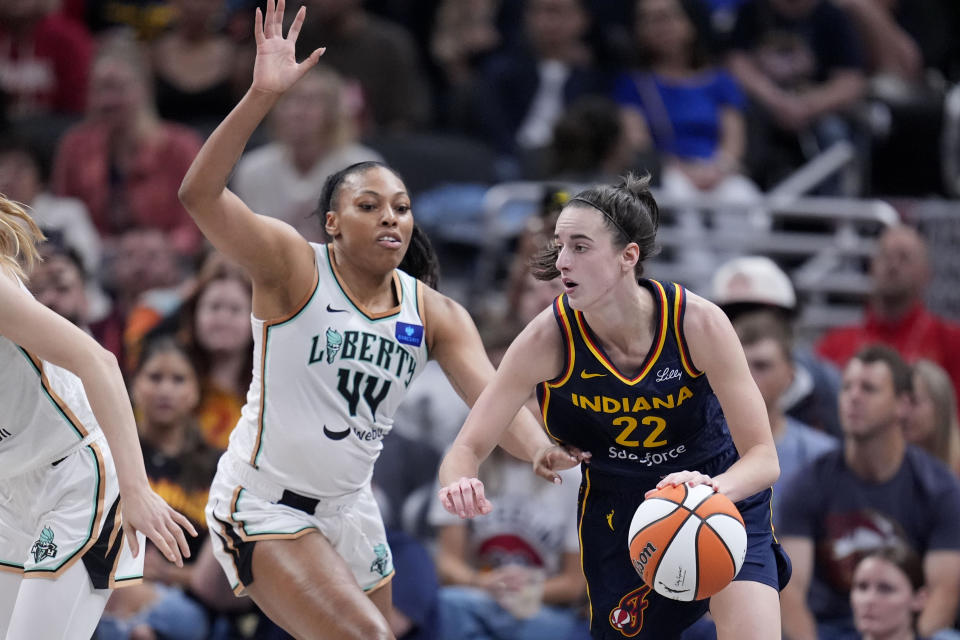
662	419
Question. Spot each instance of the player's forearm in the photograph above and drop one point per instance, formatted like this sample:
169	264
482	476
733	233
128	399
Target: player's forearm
524	438
757	469
111	406
461	461
207	177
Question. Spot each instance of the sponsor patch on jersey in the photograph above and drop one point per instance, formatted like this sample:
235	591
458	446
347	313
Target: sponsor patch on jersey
411	334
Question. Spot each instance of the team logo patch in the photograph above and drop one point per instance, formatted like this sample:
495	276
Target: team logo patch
627	616
411	334
382	563
44	548
334	343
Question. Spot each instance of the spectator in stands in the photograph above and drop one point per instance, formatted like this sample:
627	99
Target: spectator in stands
875	490
147	283
463	34
888	594
896	314
146	18
768	345
214	323
314	131
22	178
528	542
689	110
199	71
180	467
58	282
45	60
589	144
378	54
521	93
122	161
932	422
755	283
800	63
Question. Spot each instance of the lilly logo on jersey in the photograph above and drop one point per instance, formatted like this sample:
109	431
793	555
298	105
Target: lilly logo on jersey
411	334
668	373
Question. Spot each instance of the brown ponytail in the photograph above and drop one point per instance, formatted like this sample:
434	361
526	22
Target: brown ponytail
19	235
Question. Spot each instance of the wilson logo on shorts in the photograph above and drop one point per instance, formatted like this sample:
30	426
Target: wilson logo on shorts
627	616
44	548
383	559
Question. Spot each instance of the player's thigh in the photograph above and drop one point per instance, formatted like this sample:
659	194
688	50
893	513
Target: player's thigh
306	587
382	598
746	610
9	586
65	608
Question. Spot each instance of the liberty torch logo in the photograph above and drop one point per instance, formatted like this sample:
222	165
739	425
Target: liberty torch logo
44	547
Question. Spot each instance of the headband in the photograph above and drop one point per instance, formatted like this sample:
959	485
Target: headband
603	211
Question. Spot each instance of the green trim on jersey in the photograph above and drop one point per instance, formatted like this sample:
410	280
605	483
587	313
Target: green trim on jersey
263	381
46	392
93	518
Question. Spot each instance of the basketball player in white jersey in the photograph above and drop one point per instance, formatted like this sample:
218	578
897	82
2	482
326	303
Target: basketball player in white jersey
64	409
340	330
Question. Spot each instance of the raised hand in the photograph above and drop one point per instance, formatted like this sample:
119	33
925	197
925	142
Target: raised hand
276	69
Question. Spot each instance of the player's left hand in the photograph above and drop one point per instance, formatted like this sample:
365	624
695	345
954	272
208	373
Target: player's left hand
465	498
690	478
145	511
553	458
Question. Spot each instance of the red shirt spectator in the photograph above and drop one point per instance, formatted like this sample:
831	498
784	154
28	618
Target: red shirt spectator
44	63
896	315
146	196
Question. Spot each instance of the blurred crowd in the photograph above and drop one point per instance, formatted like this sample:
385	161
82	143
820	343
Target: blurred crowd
104	104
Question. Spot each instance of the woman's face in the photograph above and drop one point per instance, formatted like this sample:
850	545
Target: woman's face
304	114
590	265
116	92
165	390
882	598
373	222
223	317
662	27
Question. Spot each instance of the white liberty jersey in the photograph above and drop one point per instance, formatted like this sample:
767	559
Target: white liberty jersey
45	414
326	383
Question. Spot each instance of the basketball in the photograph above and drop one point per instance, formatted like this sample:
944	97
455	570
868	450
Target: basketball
687	543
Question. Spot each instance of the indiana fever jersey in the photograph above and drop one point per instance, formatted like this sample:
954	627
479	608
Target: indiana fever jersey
326	383
45	411
649	423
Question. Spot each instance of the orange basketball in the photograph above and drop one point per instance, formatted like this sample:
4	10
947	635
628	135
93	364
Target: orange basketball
687	543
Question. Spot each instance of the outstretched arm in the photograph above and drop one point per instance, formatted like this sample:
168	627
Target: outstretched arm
531	359
53	339
271	251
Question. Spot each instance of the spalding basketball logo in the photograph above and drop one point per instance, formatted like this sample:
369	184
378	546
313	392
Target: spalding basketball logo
627	616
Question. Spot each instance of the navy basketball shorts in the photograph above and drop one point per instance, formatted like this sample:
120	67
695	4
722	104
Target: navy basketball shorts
621	605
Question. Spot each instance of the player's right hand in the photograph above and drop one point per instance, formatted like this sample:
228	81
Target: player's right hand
275	68
146	512
465	498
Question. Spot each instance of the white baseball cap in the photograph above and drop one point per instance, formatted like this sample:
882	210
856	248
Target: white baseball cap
753	280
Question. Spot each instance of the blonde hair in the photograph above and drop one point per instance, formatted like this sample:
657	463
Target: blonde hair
944	442
19	236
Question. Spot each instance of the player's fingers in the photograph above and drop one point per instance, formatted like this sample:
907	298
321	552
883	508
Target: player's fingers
258	26
166	544
456	499
268	20
179	538
294	31
480	499
182	520
278	16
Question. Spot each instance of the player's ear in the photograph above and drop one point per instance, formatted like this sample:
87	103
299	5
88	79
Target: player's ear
629	256
331	223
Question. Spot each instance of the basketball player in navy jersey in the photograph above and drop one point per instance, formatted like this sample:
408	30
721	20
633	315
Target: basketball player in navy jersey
651	380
